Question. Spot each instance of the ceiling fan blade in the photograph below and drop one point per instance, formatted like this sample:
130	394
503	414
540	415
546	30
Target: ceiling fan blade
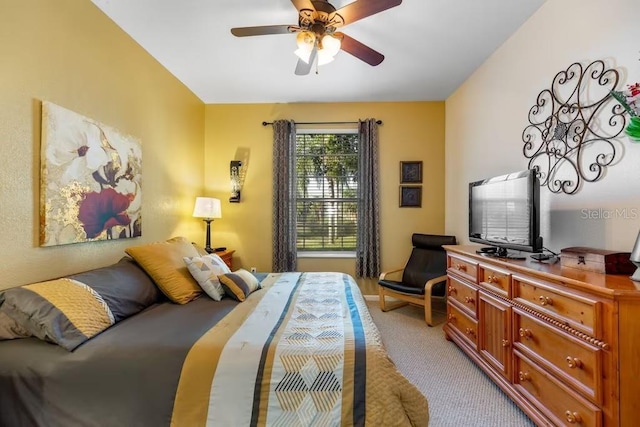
303	4
359	50
264	30
302	68
362	8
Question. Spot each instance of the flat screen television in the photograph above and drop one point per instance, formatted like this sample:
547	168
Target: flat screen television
504	213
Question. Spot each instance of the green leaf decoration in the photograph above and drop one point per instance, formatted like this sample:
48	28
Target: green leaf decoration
633	128
622	100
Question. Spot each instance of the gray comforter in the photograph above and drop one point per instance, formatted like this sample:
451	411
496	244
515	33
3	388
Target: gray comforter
136	362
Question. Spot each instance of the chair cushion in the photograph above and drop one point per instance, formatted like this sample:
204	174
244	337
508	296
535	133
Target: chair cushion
428	259
437	290
401	287
432	241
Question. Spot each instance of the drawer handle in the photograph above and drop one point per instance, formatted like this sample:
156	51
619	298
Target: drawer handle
573	362
525	333
461	267
452	290
573	417
545	300
470	332
492	279
524	376
505	343
451	318
469	300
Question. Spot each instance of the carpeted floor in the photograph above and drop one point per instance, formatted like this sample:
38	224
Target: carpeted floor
459	393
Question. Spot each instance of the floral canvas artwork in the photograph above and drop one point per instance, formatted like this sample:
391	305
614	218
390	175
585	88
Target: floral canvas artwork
90	180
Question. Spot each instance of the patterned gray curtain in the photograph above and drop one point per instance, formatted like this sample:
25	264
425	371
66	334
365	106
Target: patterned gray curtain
368	240
284	196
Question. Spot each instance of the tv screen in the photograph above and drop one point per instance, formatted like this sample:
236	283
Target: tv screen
504	212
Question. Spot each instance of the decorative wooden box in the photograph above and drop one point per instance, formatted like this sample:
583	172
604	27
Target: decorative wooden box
596	260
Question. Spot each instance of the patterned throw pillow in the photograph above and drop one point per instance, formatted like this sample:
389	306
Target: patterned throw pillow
239	284
63	311
206	269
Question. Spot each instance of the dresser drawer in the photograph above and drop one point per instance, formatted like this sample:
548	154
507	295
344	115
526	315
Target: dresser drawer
494	279
575	362
463	267
465	294
463	324
572	310
559	403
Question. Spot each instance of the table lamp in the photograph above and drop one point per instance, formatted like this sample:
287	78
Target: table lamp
207	208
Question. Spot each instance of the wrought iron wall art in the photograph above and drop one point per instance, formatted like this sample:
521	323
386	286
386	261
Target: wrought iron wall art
571	136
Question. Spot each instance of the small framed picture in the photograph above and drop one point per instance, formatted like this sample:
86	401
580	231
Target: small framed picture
411	196
411	172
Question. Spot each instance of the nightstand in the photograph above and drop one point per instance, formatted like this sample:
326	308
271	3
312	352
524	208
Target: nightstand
227	257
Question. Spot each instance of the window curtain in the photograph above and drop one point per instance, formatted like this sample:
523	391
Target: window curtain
284	196
368	239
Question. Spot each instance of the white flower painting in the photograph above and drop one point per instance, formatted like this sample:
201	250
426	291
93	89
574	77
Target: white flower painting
90	182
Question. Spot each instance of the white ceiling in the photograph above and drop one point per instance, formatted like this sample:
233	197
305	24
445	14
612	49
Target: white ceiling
430	48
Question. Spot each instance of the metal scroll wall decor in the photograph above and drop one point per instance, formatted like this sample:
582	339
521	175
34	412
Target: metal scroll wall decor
571	136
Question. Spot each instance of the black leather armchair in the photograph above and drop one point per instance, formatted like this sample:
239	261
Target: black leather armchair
424	276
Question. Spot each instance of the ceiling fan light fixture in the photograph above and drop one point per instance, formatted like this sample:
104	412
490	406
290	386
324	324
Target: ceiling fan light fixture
306	40
331	45
324	57
303	54
316	35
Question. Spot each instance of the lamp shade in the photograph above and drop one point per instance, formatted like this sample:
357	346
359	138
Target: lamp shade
324	57
207	207
306	40
331	44
303	54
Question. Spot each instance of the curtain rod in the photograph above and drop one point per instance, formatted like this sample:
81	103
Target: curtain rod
322	123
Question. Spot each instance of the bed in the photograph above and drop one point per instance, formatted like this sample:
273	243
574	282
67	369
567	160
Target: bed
300	351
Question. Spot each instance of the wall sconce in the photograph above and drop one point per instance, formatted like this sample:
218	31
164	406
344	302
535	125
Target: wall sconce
236	182
207	208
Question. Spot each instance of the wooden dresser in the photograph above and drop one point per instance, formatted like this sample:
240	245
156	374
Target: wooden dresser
563	343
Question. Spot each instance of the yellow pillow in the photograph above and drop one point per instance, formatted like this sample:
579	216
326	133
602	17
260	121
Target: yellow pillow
164	262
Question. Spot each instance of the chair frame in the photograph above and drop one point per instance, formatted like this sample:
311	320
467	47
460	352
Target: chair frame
421	300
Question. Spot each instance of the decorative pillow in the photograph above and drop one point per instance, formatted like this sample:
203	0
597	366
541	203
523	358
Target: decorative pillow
124	286
239	284
164	262
206	269
63	311
10	329
200	249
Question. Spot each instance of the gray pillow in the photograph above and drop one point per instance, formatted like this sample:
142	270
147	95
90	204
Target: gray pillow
71	310
11	329
124	286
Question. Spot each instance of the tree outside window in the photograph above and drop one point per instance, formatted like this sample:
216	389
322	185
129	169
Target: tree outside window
327	168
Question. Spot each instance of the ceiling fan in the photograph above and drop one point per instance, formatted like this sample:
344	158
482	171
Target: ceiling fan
317	37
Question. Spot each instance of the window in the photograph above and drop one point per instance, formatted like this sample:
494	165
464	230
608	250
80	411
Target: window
327	188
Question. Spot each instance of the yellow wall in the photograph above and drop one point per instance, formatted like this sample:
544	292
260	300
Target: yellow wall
68	52
411	131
